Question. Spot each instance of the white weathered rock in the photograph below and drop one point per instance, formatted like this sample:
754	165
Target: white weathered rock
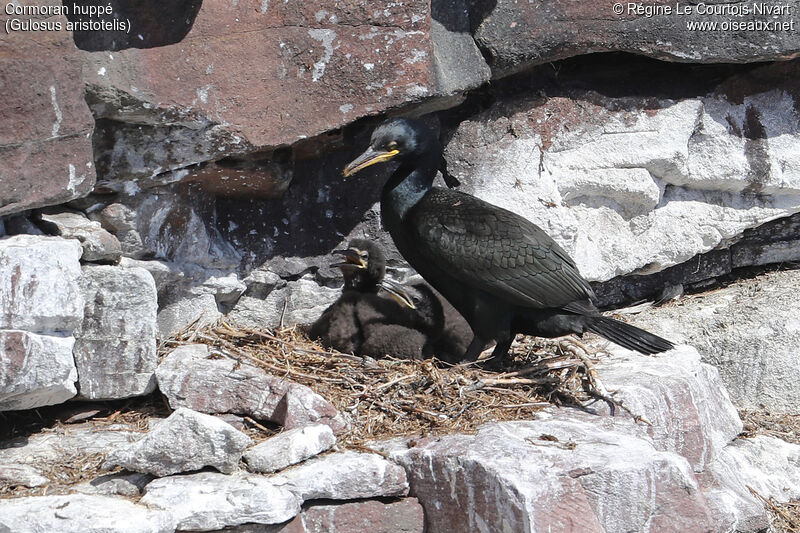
345	476
35	370
164	274
208	501
199	309
12	475
191	295
185	441
115	346
576	471
39	294
39	284
684	399
289	447
623	189
80	513
189	378
749	330
768	465
97	243
305	300
567	471
225	288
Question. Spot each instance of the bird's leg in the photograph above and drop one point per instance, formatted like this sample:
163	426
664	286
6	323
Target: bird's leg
499	353
474	349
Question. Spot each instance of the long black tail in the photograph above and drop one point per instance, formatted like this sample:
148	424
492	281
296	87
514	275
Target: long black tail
628	336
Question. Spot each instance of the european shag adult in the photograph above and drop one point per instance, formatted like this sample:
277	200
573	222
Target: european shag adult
502	272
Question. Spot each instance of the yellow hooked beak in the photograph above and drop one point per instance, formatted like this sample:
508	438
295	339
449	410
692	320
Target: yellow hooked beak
370	157
397	293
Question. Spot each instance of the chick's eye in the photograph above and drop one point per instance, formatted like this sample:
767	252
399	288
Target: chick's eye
391	145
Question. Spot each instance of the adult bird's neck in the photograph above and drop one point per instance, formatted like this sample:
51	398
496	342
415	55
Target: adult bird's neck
407	185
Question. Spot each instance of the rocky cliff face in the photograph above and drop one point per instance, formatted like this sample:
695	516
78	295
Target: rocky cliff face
189	169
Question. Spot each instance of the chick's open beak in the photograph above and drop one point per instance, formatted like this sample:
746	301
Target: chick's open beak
352	259
370	157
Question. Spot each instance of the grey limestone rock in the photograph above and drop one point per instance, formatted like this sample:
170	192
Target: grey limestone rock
184	441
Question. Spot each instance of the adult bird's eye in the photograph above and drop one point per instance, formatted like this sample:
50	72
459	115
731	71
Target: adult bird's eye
391	145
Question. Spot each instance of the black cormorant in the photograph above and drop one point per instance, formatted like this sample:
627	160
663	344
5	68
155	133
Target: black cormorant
502	272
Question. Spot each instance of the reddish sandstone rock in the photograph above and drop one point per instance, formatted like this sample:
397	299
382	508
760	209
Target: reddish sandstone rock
515	35
403	516
249	76
45	142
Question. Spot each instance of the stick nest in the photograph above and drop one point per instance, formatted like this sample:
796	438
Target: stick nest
391	397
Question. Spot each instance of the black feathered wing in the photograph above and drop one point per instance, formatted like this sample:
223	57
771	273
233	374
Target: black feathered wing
497	251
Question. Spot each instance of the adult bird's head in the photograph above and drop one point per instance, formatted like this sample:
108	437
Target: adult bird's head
397	139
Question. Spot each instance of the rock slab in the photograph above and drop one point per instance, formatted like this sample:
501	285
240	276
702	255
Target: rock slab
570	470
35	370
684	400
80	513
13	475
345	476
47	450
40	284
290	447
620	188
768	465
188	377
207	501
98	244
749	330
403	516
115	346
304	63
184	441
560	473
515	35
45	135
